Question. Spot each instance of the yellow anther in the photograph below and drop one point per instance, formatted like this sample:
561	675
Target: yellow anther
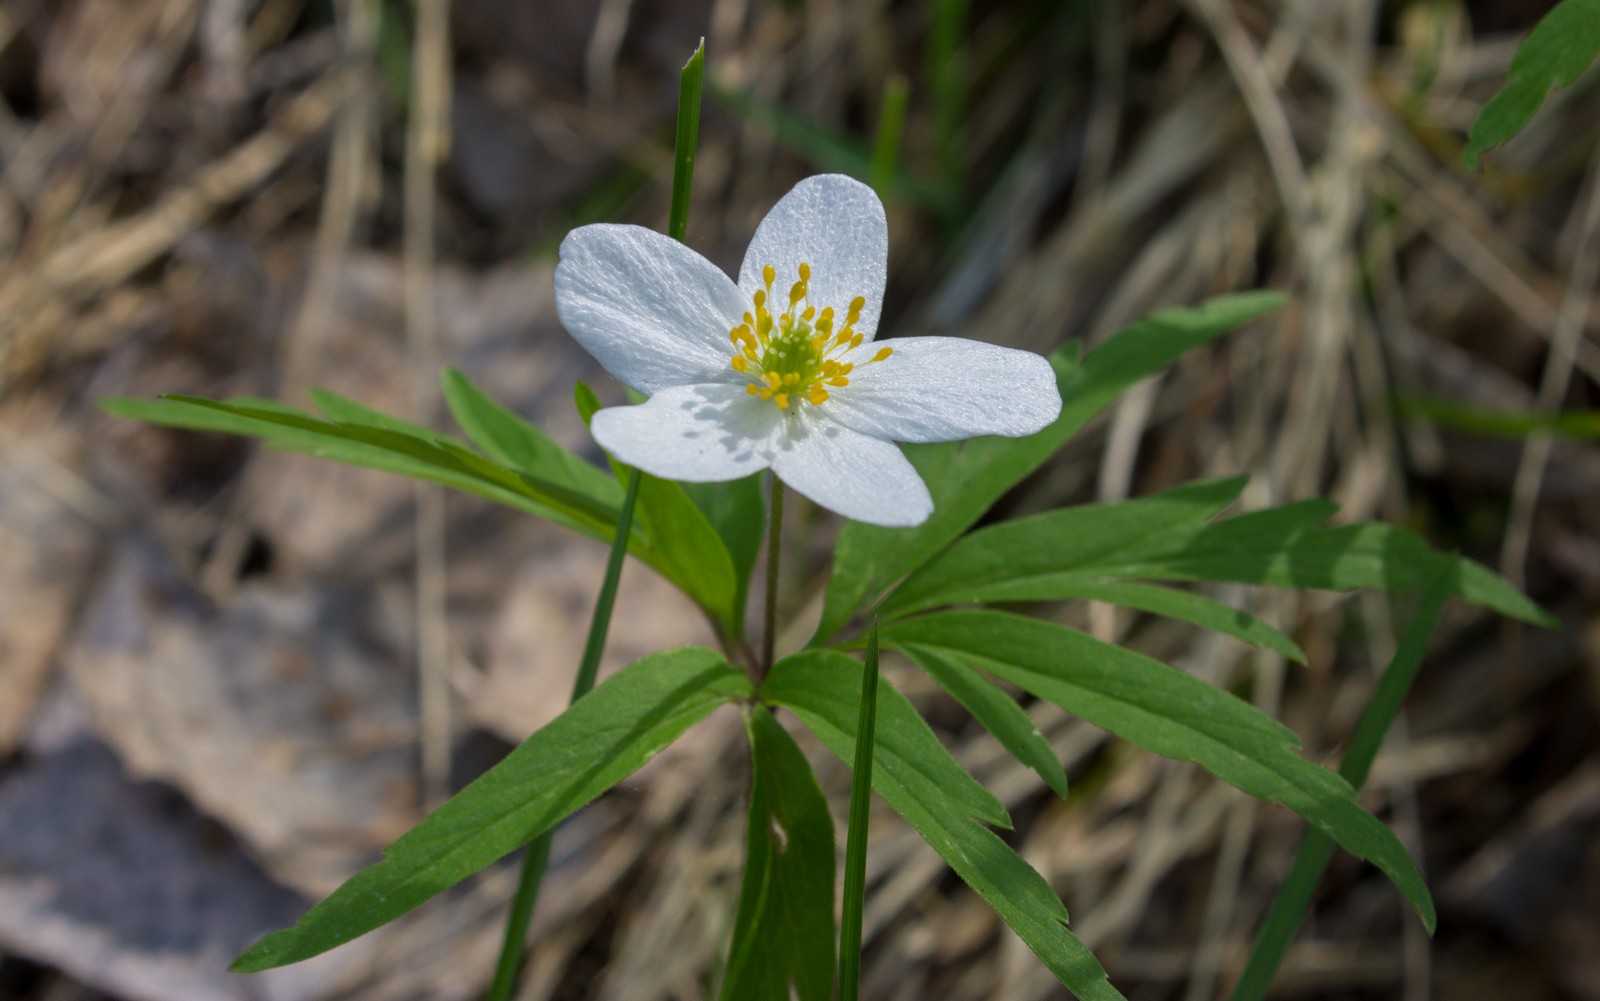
794	355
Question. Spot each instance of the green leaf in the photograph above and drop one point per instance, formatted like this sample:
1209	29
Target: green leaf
1293	899
966	479
435	458
923	783
508	439
1555	53
997	711
1185	606
681	542
1518	424
1021	559
738	513
1171	713
783	933
1290	547
591	747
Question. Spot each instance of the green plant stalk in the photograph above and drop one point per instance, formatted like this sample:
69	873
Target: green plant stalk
1294	896
537	856
947	74
691	81
855	853
886	144
769	625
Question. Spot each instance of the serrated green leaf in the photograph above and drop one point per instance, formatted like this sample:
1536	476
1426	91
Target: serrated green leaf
591	747
1170	713
967	478
1555	53
997	711
509	439
917	777
783	931
996	563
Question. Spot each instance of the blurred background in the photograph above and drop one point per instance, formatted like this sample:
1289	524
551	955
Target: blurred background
211	705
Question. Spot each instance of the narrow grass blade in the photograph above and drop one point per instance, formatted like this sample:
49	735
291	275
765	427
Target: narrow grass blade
886	144
690	84
1294	896
855	852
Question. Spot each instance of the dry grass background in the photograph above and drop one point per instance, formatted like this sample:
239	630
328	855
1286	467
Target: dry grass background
209	696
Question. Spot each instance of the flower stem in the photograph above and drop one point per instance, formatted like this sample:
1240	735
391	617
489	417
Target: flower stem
855	864
774	545
538	853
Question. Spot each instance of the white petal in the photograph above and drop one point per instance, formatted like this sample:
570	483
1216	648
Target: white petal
649	309
698	434
946	389
836	225
846	471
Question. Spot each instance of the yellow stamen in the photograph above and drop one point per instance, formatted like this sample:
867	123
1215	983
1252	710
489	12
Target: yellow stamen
797	354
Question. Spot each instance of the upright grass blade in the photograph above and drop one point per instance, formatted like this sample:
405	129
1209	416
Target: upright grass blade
691	81
538	853
886	144
1294	896
855	852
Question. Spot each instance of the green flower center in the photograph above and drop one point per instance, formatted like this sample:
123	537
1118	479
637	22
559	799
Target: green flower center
795	354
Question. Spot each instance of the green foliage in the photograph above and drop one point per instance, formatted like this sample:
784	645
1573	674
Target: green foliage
1581	424
1293	899
998	712
375	441
1076	552
918	777
967	478
1555	53
1169	712
783	933
691	80
855	853
591	747
689	550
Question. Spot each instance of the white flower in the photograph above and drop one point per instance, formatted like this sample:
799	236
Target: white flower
781	370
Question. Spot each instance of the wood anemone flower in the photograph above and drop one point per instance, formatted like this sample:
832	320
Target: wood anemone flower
781	370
